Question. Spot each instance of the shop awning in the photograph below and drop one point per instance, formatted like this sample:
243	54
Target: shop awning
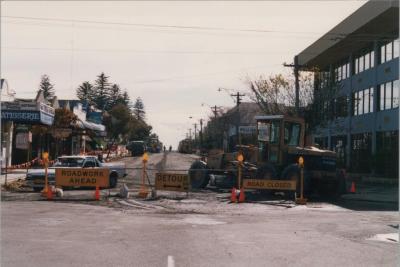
90	125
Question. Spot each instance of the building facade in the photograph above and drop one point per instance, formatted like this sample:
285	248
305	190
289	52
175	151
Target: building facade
356	88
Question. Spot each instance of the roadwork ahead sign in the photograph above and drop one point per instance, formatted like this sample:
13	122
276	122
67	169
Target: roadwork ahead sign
82	177
172	182
269	184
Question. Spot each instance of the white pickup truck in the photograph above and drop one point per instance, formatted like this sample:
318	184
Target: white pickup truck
35	177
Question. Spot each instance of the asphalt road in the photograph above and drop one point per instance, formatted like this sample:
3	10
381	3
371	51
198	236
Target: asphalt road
202	229
65	234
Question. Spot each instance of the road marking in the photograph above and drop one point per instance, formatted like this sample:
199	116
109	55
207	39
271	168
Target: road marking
171	261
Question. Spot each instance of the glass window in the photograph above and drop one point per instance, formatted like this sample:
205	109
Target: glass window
361	64
274	132
396	47
372	59
347	70
360	102
383	54
388	95
382	97
355	105
396	94
366	100
356	66
366	60
389	54
263	131
371	99
292	134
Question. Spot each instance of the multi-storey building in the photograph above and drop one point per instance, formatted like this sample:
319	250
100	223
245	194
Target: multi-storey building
356	66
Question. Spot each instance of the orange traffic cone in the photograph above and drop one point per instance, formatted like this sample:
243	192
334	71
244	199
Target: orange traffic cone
353	187
233	195
97	194
241	195
49	194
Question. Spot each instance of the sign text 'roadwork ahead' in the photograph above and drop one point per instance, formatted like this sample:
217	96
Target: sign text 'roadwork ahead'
172	182
82	177
269	184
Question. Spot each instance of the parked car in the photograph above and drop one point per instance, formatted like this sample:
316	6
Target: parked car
35	177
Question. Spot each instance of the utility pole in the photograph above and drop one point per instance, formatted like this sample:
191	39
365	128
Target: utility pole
201	134
238	99
195	131
296	68
214	110
190	133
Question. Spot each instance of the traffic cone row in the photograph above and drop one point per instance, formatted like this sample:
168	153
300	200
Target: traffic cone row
234	198
97	194
233	195
49	193
353	187
241	196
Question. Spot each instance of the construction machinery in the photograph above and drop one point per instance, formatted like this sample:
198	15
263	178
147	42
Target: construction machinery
281	141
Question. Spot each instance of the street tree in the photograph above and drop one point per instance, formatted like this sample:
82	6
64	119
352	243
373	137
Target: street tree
101	92
85	92
275	94
115	95
47	87
138	109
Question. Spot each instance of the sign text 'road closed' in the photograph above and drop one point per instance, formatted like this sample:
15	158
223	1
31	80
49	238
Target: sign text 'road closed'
172	182
269	184
82	177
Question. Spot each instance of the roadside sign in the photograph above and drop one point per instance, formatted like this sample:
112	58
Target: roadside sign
82	177
269	184
172	182
22	140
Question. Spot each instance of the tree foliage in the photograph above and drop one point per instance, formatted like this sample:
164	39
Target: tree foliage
276	94
63	118
138	109
121	122
47	87
102	92
85	92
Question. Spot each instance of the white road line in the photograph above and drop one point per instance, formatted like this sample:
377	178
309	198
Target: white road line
171	261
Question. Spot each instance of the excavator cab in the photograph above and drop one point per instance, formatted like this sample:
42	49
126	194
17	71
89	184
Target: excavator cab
276	135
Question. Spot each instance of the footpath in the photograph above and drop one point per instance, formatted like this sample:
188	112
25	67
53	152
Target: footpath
366	191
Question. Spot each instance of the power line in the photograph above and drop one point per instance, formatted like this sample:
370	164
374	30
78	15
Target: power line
166	26
146	51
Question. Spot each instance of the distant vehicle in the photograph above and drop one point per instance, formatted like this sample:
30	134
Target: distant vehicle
154	145
186	146
35	177
137	148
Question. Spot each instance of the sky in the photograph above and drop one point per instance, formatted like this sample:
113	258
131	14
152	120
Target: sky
173	55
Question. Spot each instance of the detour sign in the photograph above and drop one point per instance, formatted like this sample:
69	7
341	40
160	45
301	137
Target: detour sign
172	182
269	184
82	177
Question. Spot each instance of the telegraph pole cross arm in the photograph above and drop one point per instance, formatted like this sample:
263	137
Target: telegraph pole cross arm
296	67
238	99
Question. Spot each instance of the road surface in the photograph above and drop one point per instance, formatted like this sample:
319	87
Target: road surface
203	229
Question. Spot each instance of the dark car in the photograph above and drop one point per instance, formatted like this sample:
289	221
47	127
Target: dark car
137	148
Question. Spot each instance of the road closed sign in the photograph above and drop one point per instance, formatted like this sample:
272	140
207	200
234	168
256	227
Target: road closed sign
172	182
269	184
82	177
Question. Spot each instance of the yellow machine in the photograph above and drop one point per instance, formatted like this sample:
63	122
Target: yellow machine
280	144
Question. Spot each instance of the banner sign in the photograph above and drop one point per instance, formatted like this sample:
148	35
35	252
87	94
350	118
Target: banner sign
269	184
82	177
27	117
172	182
